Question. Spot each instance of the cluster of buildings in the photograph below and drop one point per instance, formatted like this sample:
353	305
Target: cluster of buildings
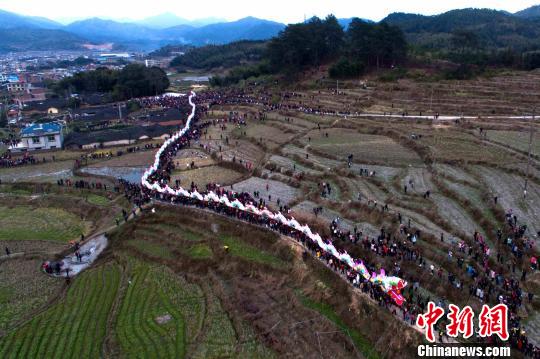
25	99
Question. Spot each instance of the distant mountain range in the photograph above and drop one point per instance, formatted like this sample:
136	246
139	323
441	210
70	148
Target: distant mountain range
11	20
18	32
165	20
33	33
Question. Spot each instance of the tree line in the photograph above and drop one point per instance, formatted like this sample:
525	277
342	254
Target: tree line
133	80
363	46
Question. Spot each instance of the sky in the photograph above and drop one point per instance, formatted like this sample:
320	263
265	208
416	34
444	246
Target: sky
287	11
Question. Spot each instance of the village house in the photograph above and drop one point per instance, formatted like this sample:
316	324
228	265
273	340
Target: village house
117	137
41	136
17	86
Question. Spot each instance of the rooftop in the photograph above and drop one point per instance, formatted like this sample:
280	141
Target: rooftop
41	129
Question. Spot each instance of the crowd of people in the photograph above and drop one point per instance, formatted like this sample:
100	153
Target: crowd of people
82	184
165	101
9	160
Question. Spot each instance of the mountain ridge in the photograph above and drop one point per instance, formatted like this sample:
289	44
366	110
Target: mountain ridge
495	29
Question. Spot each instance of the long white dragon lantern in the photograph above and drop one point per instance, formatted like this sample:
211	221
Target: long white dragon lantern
390	284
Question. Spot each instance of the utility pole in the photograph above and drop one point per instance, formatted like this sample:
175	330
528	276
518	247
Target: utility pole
531	132
120	111
431	101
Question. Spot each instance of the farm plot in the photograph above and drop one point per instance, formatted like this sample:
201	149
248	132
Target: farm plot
184	158
75	326
270	136
47	172
365	148
202	176
23	287
245	251
33	247
150	248
456	173
319	162
518	140
288	164
454	214
305	209
417	180
166	241
135	159
276	190
511	93
384	172
97	200
453	145
237	149
509	189
366	189
293	121
29	223
150	323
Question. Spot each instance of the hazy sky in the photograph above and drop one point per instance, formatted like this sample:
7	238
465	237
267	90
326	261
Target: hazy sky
279	10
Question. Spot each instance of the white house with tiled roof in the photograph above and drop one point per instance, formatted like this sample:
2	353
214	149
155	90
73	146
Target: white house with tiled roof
41	136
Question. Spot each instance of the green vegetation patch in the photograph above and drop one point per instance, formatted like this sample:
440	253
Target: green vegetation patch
169	229
28	223
199	251
160	313
77	324
360	342
219	340
23	289
97	200
151	248
16	191
250	253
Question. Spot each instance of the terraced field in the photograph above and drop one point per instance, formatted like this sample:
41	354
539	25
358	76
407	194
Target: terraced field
518	140
202	176
51	224
276	190
23	288
74	327
150	323
509	189
369	148
49	172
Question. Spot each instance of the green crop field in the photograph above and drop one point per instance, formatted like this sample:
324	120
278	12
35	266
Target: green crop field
74	327
516	139
201	251
138	329
372	148
359	340
51	224
250	253
150	248
97	200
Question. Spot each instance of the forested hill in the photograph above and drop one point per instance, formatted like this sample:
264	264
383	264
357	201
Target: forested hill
494	29
531	12
214	56
29	39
